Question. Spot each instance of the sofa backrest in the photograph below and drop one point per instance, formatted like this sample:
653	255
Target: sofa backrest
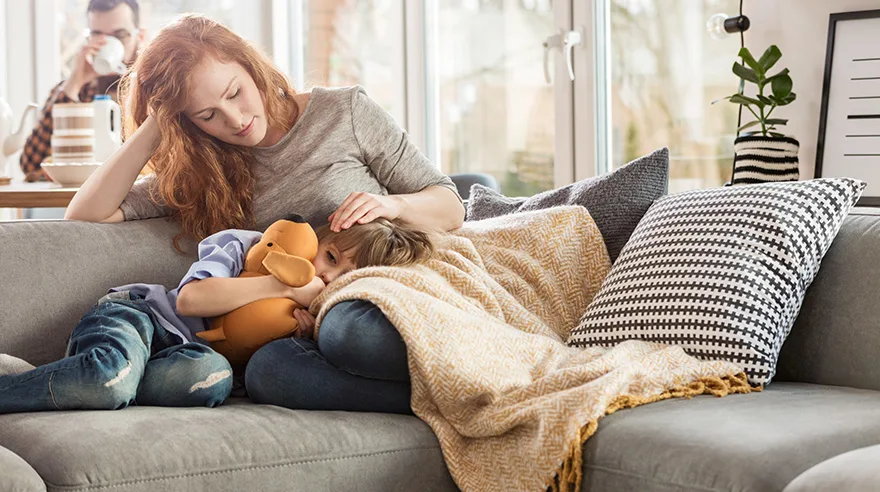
836	338
53	271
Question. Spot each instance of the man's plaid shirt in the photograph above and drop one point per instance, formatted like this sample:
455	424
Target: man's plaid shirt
39	144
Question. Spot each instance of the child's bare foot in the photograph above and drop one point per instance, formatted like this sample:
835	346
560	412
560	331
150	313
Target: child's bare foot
10	365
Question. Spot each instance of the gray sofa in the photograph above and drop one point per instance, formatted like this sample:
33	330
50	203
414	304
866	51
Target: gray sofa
817	427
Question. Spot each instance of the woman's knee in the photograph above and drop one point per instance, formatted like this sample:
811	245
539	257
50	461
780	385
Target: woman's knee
351	328
279	373
357	337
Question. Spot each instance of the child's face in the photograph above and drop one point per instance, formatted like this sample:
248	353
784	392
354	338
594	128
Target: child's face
330	263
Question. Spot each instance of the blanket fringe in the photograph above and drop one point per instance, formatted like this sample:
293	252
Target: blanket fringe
569	475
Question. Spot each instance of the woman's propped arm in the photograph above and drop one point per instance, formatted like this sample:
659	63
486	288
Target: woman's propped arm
99	198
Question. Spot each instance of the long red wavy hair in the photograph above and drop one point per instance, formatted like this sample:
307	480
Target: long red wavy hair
207	183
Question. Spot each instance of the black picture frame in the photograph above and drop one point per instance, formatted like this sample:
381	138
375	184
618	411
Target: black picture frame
865	201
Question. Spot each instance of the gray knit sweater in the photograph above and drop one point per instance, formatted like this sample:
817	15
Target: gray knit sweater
342	142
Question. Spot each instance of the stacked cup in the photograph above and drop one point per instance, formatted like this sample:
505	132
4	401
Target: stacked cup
73	137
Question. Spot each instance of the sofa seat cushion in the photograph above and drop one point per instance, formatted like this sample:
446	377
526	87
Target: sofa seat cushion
853	471
16	475
757	442
237	446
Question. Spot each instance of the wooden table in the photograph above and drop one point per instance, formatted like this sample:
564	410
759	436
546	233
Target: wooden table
19	194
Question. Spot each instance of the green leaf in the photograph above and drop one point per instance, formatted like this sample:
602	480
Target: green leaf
782	72
784	101
766	100
769	58
747	125
776	121
741	99
747	57
770	79
777	135
745	73
781	86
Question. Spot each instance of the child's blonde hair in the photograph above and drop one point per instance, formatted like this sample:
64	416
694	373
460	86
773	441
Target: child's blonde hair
380	243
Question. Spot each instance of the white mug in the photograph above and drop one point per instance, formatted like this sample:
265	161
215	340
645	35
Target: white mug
109	59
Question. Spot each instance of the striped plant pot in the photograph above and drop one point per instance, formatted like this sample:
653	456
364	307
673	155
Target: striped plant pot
762	159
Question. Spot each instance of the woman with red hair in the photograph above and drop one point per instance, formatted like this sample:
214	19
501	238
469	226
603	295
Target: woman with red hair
227	143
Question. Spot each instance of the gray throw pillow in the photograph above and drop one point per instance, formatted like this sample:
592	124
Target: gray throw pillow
616	201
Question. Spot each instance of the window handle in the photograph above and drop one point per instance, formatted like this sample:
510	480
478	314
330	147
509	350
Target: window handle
565	41
554	41
570	40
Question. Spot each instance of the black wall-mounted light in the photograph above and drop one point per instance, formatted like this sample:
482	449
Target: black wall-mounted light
720	25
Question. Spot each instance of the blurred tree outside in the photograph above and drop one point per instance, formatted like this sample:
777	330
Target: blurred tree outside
665	72
496	111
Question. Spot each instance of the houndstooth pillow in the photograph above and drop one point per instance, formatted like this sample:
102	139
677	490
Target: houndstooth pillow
720	272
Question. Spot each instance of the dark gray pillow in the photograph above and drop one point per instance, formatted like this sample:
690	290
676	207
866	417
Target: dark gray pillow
617	200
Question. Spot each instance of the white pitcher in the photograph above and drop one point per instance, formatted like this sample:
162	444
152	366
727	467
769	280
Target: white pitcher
108	127
11	141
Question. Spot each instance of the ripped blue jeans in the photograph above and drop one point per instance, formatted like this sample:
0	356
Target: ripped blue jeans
119	355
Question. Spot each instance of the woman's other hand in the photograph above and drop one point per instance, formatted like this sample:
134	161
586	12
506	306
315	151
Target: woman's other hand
361	207
306	328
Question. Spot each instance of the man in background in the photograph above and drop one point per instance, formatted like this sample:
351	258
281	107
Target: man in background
117	18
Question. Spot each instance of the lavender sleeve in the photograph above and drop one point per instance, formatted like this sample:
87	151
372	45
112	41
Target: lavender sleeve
221	255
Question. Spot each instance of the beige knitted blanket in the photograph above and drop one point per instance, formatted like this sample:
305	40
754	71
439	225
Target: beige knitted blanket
485	326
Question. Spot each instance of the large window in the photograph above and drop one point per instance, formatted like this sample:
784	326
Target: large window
495	112
665	73
354	42
467	77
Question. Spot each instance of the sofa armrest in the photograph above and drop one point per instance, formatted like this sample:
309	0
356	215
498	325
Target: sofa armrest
17	474
836	337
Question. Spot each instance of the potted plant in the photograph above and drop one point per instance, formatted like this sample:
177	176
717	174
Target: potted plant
763	153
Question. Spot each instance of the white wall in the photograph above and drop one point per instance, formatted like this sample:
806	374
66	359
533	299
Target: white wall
3	50
800	29
20	73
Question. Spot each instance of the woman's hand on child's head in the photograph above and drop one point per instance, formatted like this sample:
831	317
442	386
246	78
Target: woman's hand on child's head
361	207
306	328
